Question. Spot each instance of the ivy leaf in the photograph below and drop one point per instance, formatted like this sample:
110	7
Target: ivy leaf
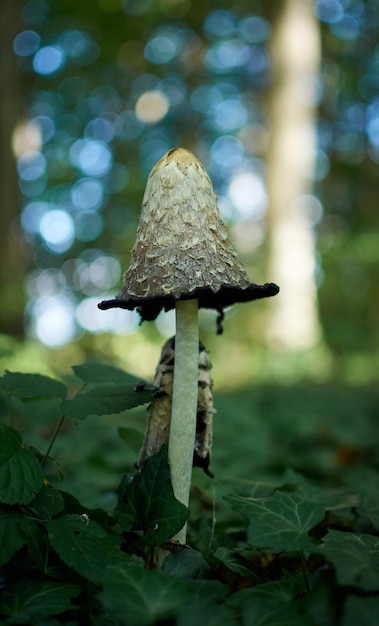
330	499
366	483
139	597
101	373
370	507
147	502
355	558
32	385
205	615
106	400
187	564
231	559
278	523
283	590
11	538
83	545
270	603
29	601
20	472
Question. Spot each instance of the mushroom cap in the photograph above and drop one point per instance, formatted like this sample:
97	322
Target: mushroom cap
182	247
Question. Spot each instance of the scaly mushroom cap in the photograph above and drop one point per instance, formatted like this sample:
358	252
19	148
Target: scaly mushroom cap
182	248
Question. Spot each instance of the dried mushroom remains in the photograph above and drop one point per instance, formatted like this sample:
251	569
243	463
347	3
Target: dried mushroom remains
159	411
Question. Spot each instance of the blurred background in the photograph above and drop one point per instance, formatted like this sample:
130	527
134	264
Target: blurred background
278	99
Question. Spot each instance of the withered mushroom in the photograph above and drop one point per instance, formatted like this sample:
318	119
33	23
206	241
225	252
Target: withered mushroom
183	259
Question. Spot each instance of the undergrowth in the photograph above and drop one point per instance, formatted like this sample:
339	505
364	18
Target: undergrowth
295	548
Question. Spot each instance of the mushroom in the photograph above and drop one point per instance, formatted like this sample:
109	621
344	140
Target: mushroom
183	259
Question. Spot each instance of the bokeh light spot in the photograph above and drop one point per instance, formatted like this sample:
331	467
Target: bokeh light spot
94	158
248	195
226	56
26	137
80	47
254	29
227	151
219	24
54	320
43	125
31	165
329	11
26	43
57	229
31	215
160	50
100	128
229	115
152	106
113	321
48	60
347	29
87	193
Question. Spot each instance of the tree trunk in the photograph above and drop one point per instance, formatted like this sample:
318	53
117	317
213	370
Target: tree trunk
294	322
11	260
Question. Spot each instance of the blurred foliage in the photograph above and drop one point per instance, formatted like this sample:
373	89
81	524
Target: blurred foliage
285	533
328	432
108	89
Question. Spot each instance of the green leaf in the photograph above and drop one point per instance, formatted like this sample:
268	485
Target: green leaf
362	611
147	502
270	603
28	601
32	385
47	503
231	559
20	472
187	564
279	523
139	597
106	400
72	505
355	558
102	373
206	615
83	545
366	483
330	499
208	591
37	541
11	538
283	590
370	508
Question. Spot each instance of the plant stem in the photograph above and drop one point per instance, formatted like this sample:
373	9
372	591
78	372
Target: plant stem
47	453
184	403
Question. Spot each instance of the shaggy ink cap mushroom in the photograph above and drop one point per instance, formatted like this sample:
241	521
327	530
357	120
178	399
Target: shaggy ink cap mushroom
182	249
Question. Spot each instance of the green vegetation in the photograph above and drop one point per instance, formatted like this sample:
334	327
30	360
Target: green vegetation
287	532
93	94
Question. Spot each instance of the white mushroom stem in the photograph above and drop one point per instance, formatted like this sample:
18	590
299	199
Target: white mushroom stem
184	402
